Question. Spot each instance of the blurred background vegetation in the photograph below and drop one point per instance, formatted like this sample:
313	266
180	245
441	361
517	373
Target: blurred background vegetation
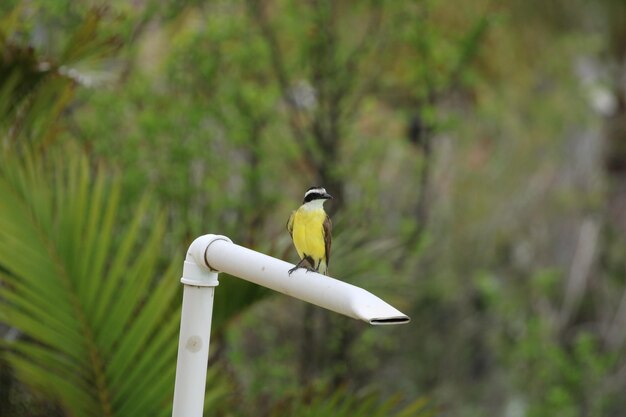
476	150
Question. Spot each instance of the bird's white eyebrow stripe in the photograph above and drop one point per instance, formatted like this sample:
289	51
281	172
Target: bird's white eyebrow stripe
316	191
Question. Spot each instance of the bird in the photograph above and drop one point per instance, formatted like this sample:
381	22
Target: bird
311	231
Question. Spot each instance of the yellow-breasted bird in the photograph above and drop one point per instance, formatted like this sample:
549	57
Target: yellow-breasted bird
311	231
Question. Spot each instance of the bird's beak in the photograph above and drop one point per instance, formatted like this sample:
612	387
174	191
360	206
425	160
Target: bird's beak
328	196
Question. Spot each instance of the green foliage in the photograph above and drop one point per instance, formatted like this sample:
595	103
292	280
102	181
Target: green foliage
560	378
36	87
95	308
456	136
341	402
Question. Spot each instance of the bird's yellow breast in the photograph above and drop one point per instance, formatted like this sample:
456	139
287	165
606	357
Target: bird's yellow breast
308	233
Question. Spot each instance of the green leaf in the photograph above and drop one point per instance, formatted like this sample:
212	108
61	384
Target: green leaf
96	309
341	402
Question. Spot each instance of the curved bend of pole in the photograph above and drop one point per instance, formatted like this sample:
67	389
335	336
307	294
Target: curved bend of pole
218	253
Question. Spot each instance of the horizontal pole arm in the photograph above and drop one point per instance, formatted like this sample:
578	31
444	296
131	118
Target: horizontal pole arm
220	254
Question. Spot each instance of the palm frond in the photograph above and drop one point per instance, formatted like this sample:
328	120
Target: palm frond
341	402
35	89
97	315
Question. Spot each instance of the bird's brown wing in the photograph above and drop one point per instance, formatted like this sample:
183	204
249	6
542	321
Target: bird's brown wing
328	237
290	224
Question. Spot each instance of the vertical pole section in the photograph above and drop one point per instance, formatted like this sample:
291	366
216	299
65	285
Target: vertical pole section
195	329
193	351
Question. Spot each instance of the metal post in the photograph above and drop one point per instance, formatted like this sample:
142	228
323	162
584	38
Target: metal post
193	351
209	253
195	330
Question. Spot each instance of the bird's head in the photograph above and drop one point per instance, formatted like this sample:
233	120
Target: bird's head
316	193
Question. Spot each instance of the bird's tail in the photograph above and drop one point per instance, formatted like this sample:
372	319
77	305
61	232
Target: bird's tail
323	267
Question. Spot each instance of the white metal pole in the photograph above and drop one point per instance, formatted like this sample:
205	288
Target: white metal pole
311	287
200	280
195	331
193	351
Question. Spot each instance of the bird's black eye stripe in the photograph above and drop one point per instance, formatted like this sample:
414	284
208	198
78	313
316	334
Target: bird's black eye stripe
312	196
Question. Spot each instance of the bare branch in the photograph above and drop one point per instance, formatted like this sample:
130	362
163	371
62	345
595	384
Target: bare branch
579	269
258	15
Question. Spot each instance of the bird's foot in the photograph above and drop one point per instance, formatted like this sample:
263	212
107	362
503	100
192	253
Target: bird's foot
306	268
